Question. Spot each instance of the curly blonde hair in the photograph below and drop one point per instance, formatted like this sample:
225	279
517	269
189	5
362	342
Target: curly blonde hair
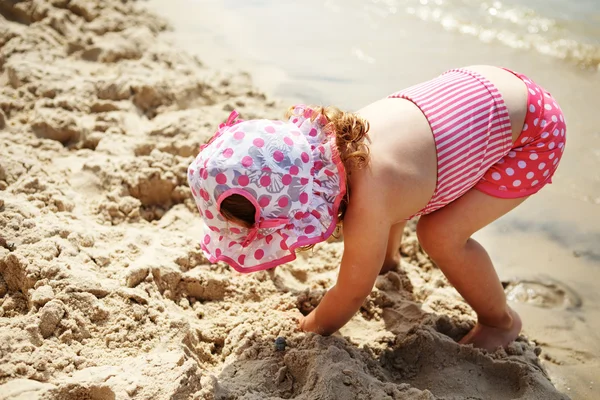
350	131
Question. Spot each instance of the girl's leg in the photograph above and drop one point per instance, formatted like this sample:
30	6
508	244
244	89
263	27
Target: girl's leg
392	254
446	236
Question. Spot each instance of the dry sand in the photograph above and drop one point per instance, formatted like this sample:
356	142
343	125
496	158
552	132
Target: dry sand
104	293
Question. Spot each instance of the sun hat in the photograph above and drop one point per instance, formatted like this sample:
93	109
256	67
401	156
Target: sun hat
290	171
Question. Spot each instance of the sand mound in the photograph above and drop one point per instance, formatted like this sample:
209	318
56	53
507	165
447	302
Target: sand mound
104	293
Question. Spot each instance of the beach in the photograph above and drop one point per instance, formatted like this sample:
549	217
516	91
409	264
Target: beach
104	291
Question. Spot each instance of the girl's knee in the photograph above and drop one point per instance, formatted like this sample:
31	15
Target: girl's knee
437	239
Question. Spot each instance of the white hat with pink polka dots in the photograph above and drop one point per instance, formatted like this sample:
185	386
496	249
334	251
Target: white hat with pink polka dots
290	171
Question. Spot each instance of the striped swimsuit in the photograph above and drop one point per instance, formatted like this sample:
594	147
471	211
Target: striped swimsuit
471	129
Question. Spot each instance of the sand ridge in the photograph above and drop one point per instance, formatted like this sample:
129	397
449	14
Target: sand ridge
104	292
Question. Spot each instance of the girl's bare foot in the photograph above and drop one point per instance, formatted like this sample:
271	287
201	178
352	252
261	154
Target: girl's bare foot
491	337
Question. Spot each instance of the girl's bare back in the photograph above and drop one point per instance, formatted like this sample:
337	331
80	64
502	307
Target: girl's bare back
402	143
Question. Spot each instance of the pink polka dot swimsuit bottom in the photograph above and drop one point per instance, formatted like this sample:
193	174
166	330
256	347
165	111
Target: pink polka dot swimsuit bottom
535	155
473	137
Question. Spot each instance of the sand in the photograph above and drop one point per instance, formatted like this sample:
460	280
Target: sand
104	292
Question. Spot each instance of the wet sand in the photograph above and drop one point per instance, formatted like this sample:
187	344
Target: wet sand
104	293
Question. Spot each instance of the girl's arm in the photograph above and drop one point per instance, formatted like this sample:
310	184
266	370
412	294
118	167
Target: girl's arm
366	228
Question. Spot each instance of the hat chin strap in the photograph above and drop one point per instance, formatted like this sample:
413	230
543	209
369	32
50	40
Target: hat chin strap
264	224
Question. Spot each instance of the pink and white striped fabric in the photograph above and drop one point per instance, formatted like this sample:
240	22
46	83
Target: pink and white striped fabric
471	129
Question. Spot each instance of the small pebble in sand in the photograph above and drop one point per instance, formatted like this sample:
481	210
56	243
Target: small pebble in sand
280	344
8	246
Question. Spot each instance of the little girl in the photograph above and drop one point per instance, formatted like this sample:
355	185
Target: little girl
460	151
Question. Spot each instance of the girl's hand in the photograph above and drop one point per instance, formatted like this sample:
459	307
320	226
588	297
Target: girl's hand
309	324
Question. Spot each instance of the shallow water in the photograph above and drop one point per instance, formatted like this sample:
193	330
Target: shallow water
352	52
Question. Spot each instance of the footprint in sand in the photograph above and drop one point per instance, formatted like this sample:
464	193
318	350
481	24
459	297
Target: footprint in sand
543	292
